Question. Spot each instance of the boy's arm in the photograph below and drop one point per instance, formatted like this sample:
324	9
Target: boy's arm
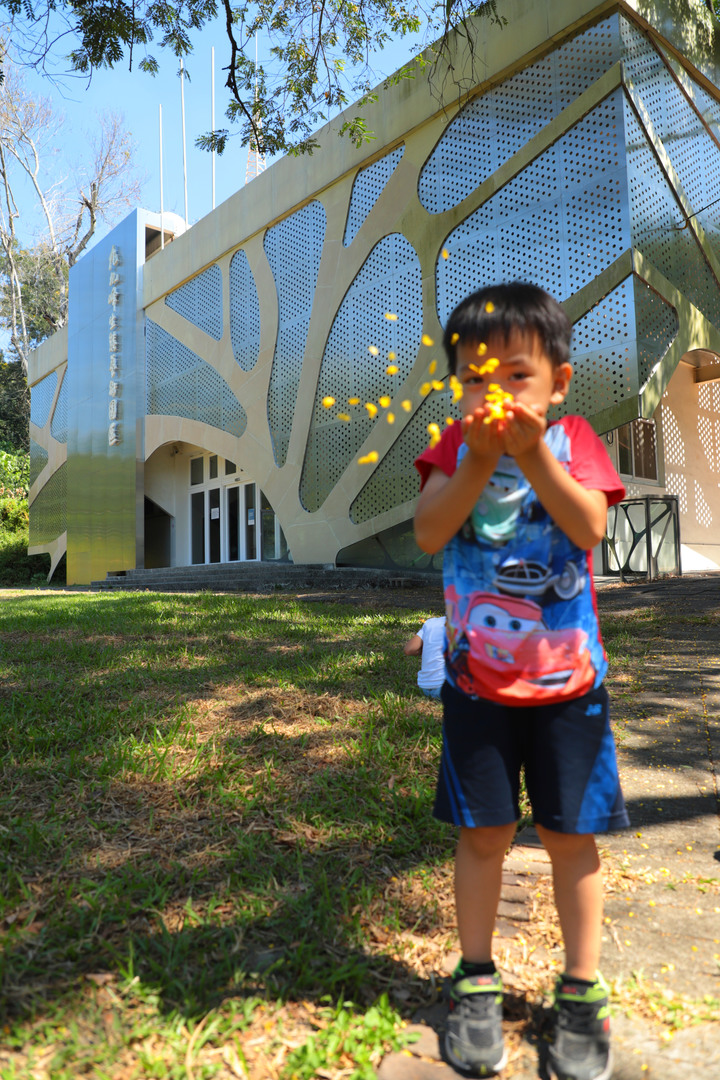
446	502
413	647
580	512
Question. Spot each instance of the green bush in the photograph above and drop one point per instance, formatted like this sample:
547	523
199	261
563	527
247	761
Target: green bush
14	472
16	566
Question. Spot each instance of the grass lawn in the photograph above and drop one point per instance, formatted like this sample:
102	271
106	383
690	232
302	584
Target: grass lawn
216	849
215	845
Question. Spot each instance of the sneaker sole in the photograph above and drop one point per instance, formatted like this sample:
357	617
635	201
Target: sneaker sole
604	1075
471	1070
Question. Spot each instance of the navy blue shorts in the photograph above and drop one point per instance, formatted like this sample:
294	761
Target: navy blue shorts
567	750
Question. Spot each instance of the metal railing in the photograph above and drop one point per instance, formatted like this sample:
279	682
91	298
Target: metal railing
643	538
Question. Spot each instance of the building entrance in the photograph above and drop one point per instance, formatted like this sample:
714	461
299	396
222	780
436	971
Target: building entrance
231	520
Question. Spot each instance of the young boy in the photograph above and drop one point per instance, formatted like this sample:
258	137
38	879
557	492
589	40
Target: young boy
517	503
429	644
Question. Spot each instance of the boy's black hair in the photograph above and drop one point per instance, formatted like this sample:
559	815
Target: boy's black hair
516	306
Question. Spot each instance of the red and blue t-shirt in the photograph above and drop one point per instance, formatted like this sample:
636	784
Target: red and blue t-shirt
522	626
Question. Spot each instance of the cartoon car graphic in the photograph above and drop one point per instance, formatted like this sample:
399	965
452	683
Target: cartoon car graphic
512	656
525	577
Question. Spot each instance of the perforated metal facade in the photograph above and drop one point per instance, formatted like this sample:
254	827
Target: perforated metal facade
200	301
390	282
179	383
367	187
41	399
244	312
49	510
293	248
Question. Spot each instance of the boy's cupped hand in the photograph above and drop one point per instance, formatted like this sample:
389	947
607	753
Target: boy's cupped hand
518	432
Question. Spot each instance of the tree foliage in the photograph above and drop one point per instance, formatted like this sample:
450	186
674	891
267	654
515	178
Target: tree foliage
319	51
47	219
14	411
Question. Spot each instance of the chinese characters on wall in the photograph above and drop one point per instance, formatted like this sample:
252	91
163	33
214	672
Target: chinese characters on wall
114	387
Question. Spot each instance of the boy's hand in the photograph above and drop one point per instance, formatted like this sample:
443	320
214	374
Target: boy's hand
483	439
522	429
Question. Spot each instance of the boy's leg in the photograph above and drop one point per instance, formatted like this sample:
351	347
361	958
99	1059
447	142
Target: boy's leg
478	879
577	881
474	1039
581	1046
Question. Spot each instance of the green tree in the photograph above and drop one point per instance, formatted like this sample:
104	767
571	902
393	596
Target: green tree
35	260
14	408
319	51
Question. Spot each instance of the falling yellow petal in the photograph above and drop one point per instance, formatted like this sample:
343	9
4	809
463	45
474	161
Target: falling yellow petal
344	416
372	409
456	387
389	315
481	349
437	385
433	367
445	253
392	369
427	340
373	350
384	401
353	401
434	433
406	405
489	307
454	339
328	402
449	421
425	388
390	418
392	355
368	459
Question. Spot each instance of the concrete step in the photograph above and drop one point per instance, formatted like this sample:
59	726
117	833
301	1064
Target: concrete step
261	577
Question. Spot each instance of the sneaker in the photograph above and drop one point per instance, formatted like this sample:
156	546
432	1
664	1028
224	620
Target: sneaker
581	1048
473	1039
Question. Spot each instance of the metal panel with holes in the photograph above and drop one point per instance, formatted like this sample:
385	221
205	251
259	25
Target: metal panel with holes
361	347
366	190
244	312
180	383
200	301
293	248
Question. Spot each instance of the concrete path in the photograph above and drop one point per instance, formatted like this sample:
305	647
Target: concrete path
661	945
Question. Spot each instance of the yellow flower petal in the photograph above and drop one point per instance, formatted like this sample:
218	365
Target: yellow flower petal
427	340
390	316
392	369
449	421
372	409
353	401
454	339
328	402
445	253
434	433
343	416
406	405
481	349
368	459
489	307
392	355
425	388
384	401
373	350
437	385
433	367
390	417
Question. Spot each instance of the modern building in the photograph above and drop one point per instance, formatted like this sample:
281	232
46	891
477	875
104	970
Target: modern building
207	401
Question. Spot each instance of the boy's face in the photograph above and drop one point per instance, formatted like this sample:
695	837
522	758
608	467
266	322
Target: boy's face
525	371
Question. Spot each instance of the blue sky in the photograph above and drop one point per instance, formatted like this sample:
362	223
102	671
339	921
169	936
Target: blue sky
136	96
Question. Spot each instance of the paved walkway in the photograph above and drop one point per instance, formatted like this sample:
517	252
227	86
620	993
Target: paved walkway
662	910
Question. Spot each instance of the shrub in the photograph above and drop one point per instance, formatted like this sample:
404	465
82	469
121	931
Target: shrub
16	566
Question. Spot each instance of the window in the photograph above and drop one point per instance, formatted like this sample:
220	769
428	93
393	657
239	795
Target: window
637	449
196	471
